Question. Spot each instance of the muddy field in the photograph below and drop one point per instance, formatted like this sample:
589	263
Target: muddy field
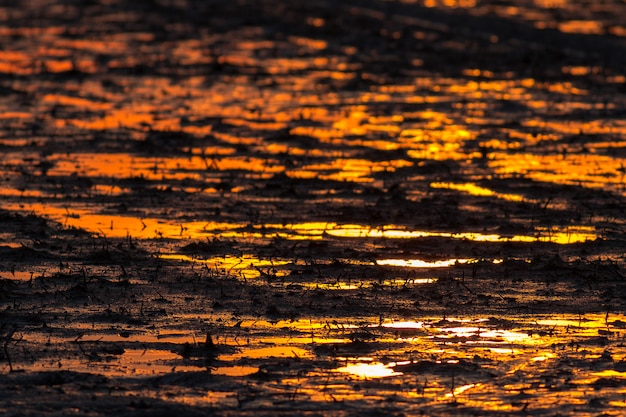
313	208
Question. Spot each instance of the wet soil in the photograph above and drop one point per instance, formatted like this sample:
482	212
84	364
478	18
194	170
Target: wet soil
323	208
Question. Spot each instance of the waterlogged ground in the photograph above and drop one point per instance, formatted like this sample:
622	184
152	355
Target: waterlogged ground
350	207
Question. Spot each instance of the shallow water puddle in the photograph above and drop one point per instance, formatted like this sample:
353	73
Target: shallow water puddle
18	275
120	226
244	266
151	362
278	351
369	370
124	226
363	284
555	235
476	190
521	345
235	371
127	362
474	359
417	263
404	325
593	171
333	286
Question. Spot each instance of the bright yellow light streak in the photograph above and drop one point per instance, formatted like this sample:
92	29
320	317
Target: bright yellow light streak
116	226
417	263
237	370
404	325
267	352
506	335
250	266
610	373
369	370
461	389
476	190
560	237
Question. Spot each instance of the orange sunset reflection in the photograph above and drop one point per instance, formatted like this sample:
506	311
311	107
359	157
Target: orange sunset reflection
408	206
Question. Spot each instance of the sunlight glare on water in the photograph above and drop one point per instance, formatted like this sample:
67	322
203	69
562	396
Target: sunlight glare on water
122	226
369	370
417	263
556	236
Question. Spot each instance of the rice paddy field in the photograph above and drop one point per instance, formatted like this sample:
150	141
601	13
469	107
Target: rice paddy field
342	208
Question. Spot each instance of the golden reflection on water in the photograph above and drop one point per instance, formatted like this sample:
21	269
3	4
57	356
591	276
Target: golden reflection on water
245	266
460	390
12	192
476	190
131	362
235	371
583	170
124	166
268	352
524	349
368	370
417	263
426	361
404	325
123	226
17	275
555	235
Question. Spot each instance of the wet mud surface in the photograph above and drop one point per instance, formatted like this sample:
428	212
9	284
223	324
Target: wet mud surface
338	208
